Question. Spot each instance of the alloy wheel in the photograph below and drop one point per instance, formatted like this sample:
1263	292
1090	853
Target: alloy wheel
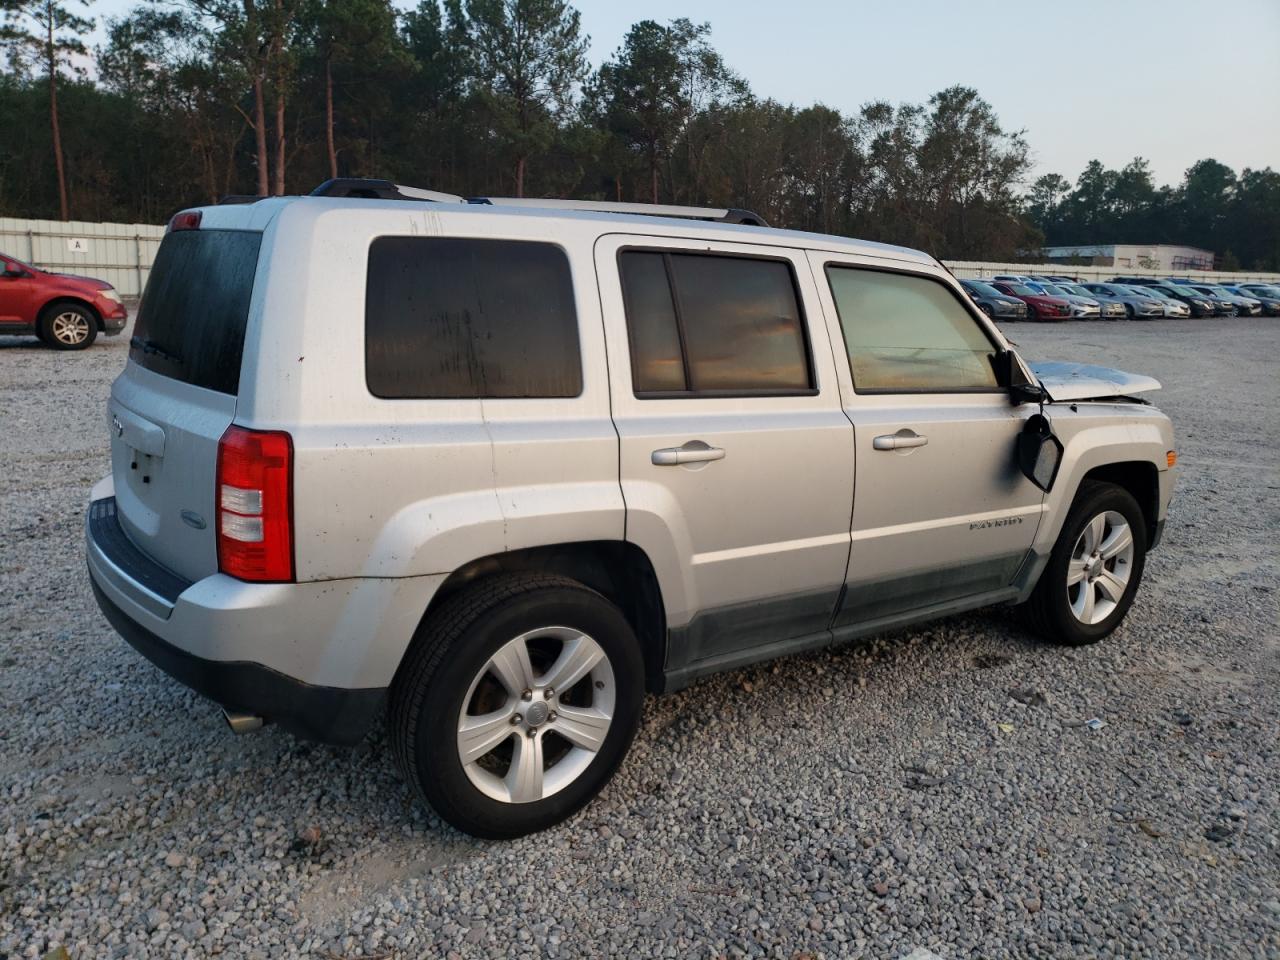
536	715
70	328
1100	567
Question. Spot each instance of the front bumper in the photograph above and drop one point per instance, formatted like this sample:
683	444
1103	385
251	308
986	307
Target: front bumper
114	315
217	635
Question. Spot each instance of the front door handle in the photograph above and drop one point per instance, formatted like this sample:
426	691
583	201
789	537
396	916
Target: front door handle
902	440
695	451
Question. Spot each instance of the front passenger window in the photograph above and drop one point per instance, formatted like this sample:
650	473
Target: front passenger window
909	334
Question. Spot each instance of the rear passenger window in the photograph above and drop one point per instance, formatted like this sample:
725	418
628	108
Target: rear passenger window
909	334
713	325
456	318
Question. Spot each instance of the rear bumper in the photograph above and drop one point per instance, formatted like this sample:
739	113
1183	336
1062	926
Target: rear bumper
317	658
324	714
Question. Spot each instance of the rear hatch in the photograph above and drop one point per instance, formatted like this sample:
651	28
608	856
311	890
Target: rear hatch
177	394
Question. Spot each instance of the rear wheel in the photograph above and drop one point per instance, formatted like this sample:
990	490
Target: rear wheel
67	326
1094	570
517	703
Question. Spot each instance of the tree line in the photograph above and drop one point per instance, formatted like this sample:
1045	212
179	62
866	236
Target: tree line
1238	217
190	100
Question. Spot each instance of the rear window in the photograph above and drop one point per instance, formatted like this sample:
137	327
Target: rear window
191	323
456	318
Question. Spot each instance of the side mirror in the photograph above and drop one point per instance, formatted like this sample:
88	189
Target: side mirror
1013	375
1039	452
12	273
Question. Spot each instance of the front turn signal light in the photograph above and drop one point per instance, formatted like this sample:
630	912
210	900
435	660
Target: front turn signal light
1172	457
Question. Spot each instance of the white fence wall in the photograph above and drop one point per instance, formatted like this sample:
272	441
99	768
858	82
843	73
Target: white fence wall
121	254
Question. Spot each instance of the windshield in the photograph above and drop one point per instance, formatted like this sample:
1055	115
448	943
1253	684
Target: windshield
984	288
16	262
1021	289
1271	292
1157	293
1076	289
1053	290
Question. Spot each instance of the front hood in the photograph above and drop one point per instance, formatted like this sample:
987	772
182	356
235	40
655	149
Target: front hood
1083	381
90	282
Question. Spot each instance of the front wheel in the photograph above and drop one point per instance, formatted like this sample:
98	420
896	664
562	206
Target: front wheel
1094	570
516	703
67	326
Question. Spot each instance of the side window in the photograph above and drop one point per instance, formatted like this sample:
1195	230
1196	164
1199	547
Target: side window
704	324
458	318
909	334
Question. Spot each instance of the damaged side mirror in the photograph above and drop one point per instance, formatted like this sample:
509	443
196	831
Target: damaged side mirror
1039	452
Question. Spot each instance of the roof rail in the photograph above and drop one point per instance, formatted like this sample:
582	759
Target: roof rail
371	189
720	214
379	190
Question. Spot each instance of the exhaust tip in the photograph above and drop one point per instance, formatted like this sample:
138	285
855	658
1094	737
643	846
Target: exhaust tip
241	723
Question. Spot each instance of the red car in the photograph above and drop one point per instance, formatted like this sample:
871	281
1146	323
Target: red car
64	311
1039	305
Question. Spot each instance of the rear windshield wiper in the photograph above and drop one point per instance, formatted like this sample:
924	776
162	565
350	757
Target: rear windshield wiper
150	346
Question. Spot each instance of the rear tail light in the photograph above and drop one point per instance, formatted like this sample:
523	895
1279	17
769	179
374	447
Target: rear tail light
186	220
255	505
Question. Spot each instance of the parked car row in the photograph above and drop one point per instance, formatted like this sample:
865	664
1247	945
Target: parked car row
1037	297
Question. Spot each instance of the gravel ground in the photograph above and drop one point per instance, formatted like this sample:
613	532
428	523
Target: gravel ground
861	802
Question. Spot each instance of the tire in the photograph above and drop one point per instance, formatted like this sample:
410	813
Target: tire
68	326
1032	314
1056	609
451	674
1129	313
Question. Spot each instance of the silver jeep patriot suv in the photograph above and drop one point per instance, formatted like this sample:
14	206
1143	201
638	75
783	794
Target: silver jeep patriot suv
494	469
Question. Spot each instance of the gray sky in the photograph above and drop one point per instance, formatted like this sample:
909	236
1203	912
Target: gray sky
1170	80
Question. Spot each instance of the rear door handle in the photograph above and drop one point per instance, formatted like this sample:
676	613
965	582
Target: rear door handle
695	451
902	440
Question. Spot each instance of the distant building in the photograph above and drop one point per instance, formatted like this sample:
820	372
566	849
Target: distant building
1155	257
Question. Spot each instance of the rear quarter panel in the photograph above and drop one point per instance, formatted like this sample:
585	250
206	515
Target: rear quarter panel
404	487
